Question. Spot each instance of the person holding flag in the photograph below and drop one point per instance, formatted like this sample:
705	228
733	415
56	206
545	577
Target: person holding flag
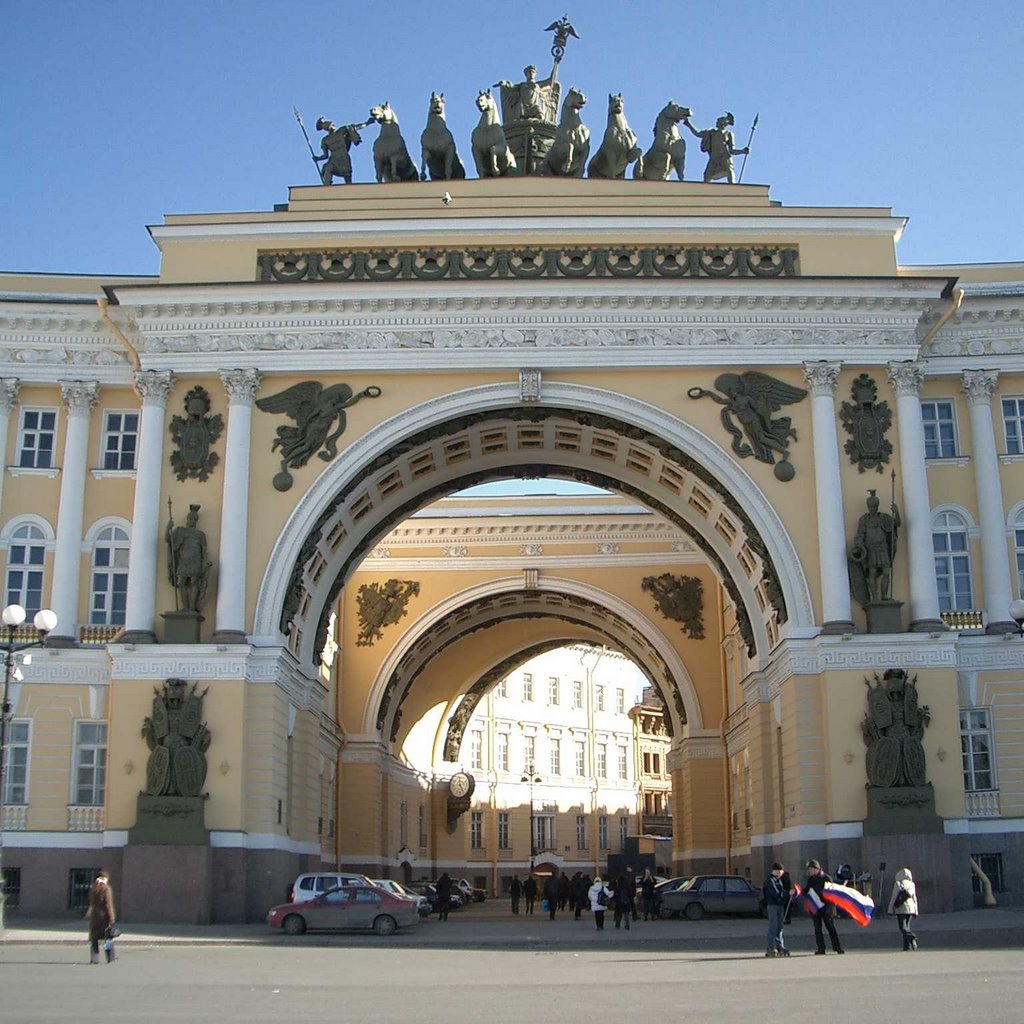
822	910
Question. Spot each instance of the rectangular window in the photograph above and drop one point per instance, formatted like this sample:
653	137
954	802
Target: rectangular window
599	698
976	749
602	832
12	888
503	831
953	571
502	752
656	764
620	701
647	763
120	439
623	763
476	830
543	832
581	831
35	445
79	883
527	686
16	772
25	558
423	826
553	691
581	758
1013	424
476	749
503	688
992	865
577	693
529	754
939	429
556	756
623	830
90	763
602	760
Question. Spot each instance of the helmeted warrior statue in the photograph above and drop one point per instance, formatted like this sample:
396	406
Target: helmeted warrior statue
873	551
720	145
187	564
335	145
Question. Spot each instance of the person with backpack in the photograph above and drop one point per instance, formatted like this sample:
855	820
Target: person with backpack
776	901
903	903
599	898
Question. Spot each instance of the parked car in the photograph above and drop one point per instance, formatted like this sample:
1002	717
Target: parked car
465	890
475	893
429	890
397	889
346	907
310	885
710	894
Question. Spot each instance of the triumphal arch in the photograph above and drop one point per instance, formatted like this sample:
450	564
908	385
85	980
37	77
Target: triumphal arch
815	583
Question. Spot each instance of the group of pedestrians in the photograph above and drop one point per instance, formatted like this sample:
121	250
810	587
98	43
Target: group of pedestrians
581	892
779	893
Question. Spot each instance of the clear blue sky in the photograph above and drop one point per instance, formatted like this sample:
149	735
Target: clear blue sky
115	112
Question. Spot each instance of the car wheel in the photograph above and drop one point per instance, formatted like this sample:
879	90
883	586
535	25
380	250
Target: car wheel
293	924
385	925
667	912
694	911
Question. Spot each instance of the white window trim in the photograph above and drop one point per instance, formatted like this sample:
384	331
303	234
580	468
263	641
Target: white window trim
89	542
948	459
960	461
36	470
103	439
1016	456
28	762
973	529
7	532
75	747
993	767
50	474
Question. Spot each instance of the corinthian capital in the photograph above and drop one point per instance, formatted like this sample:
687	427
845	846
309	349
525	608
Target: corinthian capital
906	378
241	385
9	387
822	377
80	395
980	385
153	386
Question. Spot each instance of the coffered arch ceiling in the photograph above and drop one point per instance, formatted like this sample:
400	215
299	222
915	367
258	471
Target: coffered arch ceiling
587	614
489	433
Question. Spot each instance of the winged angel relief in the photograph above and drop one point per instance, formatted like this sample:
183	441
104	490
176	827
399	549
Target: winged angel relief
314	409
751	398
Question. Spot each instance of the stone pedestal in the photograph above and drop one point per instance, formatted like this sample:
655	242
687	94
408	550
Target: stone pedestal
884	616
166	884
901	810
169	821
181	627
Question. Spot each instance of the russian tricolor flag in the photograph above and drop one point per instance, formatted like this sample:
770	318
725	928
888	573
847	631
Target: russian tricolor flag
812	901
856	904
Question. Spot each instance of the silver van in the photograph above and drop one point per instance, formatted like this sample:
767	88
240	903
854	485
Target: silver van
309	886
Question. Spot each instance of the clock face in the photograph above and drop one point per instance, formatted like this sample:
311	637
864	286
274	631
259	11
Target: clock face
459	784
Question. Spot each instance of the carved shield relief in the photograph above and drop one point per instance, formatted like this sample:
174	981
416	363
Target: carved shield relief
883	761
158	771
189	771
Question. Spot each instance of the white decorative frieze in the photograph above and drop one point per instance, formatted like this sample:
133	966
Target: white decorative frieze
529	385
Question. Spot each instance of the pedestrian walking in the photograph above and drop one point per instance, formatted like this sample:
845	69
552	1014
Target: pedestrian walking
903	903
563	891
625	898
599	898
530	893
825	916
580	888
444	896
776	899
102	918
647	884
551	889
515	890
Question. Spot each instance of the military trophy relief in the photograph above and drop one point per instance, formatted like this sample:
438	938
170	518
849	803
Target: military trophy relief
867	421
315	410
189	570
748	402
527	128
679	598
194	434
170	811
381	605
900	798
870	563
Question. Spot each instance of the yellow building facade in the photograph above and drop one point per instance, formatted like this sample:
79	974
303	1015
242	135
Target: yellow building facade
594	331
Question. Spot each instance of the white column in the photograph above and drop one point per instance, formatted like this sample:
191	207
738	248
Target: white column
79	398
917	511
978	387
8	396
152	386
241	386
836	611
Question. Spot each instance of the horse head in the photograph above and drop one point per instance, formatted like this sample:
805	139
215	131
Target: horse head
383	114
615	104
673	112
437	103
484	100
574	99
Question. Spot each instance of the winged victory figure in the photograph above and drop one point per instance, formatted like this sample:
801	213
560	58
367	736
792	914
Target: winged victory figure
314	409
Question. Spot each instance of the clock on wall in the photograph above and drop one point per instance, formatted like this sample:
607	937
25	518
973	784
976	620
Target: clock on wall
460	785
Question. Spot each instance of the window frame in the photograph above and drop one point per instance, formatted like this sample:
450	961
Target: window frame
942	526
968	755
554	689
577	694
1016	446
28	569
114	574
13	745
118	451
476	830
581	831
504	831
24	430
528	687
98	768
934	437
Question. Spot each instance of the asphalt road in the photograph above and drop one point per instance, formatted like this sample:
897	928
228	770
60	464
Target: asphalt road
366	979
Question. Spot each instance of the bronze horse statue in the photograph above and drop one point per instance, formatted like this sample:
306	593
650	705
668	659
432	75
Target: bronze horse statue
619	147
668	151
491	154
390	156
438	145
568	154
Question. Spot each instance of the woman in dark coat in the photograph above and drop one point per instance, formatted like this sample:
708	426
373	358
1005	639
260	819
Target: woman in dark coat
101	917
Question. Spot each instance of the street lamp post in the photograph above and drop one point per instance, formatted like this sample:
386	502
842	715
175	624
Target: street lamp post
531	777
13	616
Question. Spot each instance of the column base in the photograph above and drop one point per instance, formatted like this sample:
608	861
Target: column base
229	636
61	641
837	627
1002	627
928	626
135	636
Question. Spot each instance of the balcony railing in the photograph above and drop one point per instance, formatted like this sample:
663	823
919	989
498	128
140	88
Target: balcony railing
657	824
983	804
97	635
15	817
964	621
85	818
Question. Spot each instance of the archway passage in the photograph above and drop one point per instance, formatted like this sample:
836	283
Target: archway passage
544	440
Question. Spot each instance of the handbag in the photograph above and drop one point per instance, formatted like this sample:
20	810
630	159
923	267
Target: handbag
602	898
112	932
901	897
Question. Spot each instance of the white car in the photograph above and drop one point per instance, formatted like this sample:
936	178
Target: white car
313	883
397	889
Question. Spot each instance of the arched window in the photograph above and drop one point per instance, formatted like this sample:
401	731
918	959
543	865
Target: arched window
25	558
109	577
951	545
